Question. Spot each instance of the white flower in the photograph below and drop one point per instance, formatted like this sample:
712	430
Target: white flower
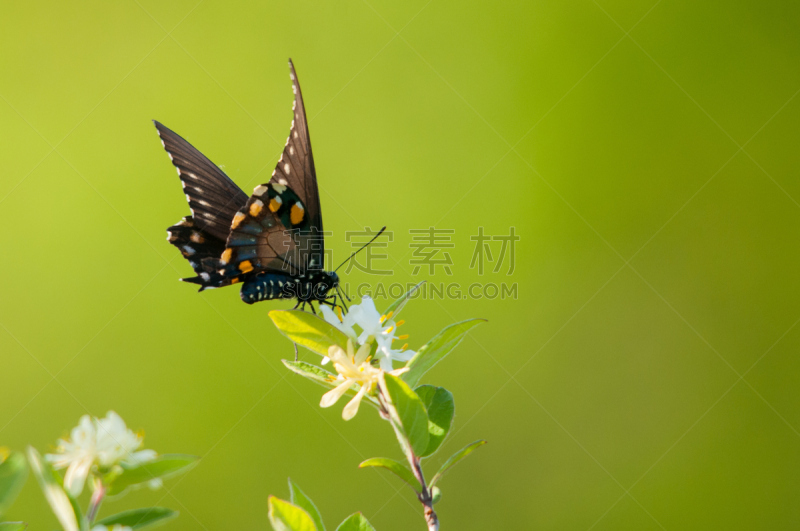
344	324
354	369
102	443
375	327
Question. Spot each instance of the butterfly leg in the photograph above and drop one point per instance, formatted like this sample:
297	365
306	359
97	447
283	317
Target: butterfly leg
342	297
334	305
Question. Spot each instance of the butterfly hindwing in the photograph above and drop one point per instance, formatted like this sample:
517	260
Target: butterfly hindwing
201	249
264	233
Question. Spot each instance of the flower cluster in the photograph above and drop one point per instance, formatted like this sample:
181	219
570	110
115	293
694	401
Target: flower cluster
377	328
368	354
355	370
97	446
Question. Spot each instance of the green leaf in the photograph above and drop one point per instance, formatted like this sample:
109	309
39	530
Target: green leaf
287	517
400	303
407	410
455	458
13	526
436	349
140	518
312	372
308	330
355	522
161	467
300	499
54	493
13	473
441	408
399	469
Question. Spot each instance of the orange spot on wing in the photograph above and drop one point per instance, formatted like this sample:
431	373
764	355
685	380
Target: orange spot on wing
246	266
234	280
226	255
255	208
237	220
297	214
274	205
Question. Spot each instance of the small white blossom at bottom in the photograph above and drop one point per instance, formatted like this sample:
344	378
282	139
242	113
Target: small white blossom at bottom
97	442
354	368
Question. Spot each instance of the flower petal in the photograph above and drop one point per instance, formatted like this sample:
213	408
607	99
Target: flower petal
330	398
386	363
351	408
345	326
76	475
361	355
403	355
142	456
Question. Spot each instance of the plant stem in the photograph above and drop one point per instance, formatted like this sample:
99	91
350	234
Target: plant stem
425	496
94	504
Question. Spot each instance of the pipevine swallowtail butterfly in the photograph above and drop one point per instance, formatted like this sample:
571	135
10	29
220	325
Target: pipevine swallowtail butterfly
271	242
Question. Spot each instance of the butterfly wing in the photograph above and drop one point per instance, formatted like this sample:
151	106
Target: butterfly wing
280	226
200	248
213	199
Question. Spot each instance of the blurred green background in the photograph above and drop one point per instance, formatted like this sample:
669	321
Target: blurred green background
645	152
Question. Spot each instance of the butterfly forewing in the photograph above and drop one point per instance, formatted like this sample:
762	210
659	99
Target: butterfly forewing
295	169
213	198
280	226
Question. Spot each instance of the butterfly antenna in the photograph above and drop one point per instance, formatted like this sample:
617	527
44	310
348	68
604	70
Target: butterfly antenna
360	249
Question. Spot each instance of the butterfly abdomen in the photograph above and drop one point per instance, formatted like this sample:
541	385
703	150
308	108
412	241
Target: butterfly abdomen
268	286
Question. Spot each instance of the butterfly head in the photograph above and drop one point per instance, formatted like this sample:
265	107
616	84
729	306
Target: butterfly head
326	281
